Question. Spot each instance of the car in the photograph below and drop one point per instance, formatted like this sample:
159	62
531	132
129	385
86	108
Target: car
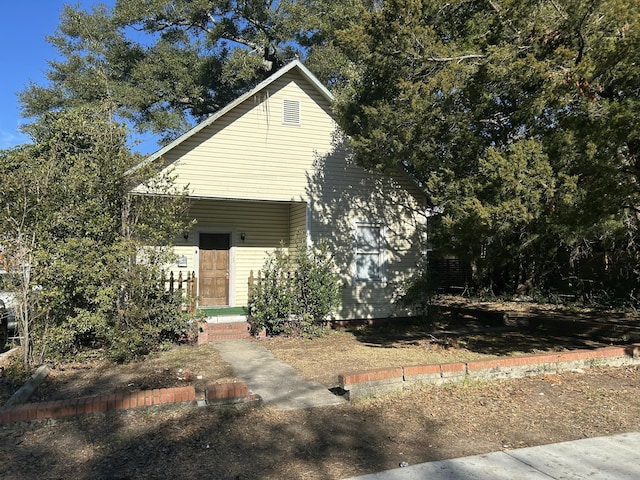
4	325
7	309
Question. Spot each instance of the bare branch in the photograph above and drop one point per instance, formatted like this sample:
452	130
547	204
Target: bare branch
557	7
459	59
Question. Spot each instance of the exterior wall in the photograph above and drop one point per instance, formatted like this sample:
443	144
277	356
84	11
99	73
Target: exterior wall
343	194
298	224
289	172
266	226
249	154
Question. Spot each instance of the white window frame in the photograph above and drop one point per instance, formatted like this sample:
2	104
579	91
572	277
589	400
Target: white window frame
359	251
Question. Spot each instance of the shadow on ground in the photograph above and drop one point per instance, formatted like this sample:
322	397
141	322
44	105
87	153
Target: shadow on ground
495	334
324	443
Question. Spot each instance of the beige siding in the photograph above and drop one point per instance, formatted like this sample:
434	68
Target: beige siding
343	194
251	174
264	224
249	153
298	222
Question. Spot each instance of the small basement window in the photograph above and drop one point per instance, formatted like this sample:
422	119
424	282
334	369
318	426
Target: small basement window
290	112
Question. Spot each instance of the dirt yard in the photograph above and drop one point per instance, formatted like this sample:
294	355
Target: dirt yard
423	424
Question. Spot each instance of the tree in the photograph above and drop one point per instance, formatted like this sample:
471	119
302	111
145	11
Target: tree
162	64
71	231
519	116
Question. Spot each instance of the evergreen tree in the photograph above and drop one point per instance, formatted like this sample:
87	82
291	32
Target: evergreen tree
520	116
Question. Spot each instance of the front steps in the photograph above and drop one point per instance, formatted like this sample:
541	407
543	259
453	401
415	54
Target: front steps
212	332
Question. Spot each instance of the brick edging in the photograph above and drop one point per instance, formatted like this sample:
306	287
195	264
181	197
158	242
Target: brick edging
371	382
218	394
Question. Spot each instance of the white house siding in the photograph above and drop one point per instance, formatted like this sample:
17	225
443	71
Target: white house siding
248	153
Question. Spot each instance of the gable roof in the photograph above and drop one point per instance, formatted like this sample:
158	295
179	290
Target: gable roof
296	64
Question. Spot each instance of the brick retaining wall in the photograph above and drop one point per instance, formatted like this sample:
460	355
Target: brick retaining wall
217	394
372	382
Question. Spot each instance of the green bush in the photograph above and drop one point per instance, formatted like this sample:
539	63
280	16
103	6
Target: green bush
296	293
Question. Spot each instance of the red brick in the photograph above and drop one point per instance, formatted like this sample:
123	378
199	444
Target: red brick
614	351
164	396
177	391
140	398
111	401
42	410
181	394
103	403
120	401
421	370
240	389
20	413
383	374
57	408
227	390
69	407
5	415
14	414
633	350
452	367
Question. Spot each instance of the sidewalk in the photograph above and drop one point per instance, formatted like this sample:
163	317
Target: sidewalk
279	385
604	458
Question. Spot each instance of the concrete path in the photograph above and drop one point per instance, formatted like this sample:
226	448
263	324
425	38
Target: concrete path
279	385
604	458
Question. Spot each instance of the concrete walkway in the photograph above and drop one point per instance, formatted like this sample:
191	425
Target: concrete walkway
279	385
604	458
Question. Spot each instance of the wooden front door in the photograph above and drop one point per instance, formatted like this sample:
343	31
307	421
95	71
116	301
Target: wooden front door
214	269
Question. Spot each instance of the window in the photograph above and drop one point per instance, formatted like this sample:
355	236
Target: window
369	252
290	112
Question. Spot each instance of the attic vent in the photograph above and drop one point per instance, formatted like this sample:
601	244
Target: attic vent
290	112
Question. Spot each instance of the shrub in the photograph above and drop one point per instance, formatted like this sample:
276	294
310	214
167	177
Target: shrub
296	293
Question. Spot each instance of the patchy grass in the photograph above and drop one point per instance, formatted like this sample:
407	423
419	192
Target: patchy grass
322	359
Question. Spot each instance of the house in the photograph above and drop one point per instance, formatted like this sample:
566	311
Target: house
273	167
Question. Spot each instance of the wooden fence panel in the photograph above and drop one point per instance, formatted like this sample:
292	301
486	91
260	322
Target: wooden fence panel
188	286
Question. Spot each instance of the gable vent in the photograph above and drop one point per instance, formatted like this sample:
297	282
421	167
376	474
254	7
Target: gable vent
290	112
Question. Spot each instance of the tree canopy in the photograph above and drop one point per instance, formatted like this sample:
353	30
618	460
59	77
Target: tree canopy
519	116
162	64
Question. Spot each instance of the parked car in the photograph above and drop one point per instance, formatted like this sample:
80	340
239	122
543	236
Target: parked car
7	302
4	325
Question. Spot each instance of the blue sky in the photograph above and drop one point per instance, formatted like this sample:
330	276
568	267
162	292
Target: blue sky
24	57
